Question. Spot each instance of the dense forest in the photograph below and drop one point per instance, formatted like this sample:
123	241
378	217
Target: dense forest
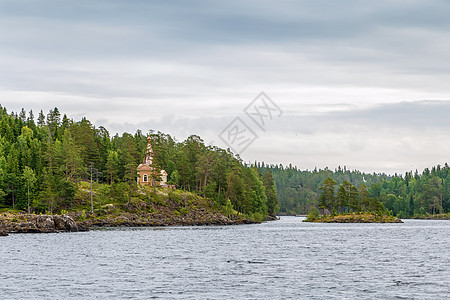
409	195
43	160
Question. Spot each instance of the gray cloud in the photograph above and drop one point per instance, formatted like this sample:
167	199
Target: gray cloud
342	71
384	138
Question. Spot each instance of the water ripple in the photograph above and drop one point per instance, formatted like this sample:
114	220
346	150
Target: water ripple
286	259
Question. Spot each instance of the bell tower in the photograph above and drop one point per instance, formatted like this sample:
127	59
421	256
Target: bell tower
148	159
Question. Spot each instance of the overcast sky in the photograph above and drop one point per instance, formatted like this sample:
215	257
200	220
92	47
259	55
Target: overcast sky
364	84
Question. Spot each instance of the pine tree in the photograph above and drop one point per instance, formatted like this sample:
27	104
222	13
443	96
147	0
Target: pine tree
327	198
53	121
271	193
112	165
29	178
41	119
364	196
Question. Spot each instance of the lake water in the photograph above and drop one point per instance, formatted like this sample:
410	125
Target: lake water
285	259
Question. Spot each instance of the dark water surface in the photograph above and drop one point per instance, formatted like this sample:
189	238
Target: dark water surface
285	259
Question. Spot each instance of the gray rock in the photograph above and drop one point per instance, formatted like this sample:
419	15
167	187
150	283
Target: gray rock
69	223
55	223
45	222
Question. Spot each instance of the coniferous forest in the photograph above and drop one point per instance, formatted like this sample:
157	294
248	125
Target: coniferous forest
413	194
45	158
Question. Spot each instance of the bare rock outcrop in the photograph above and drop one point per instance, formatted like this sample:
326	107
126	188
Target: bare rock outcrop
40	224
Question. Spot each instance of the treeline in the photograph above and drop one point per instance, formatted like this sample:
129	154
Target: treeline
404	195
43	159
347	199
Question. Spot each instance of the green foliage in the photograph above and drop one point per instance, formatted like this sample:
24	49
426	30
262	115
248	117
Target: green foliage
66	192
346	199
257	216
29	178
61	153
183	211
104	194
271	192
411	194
327	200
228	209
83	215
313	215
2	196
174	177
119	192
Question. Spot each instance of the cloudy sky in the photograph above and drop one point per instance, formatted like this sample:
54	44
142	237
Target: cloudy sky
364	84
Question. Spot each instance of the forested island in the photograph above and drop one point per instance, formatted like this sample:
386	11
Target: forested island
53	166
348	205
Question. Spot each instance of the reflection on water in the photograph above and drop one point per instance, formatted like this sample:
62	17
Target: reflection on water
285	259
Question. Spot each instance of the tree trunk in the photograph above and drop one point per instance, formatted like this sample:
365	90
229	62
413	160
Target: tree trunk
154	185
228	189
131	183
204	183
218	194
92	199
28	188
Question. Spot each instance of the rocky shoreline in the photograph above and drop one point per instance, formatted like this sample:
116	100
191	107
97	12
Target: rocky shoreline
73	222
23	223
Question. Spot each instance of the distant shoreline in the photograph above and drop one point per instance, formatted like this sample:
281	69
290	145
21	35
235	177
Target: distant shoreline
433	217
355	218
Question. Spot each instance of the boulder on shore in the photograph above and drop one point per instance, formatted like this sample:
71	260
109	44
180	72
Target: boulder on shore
65	223
40	224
